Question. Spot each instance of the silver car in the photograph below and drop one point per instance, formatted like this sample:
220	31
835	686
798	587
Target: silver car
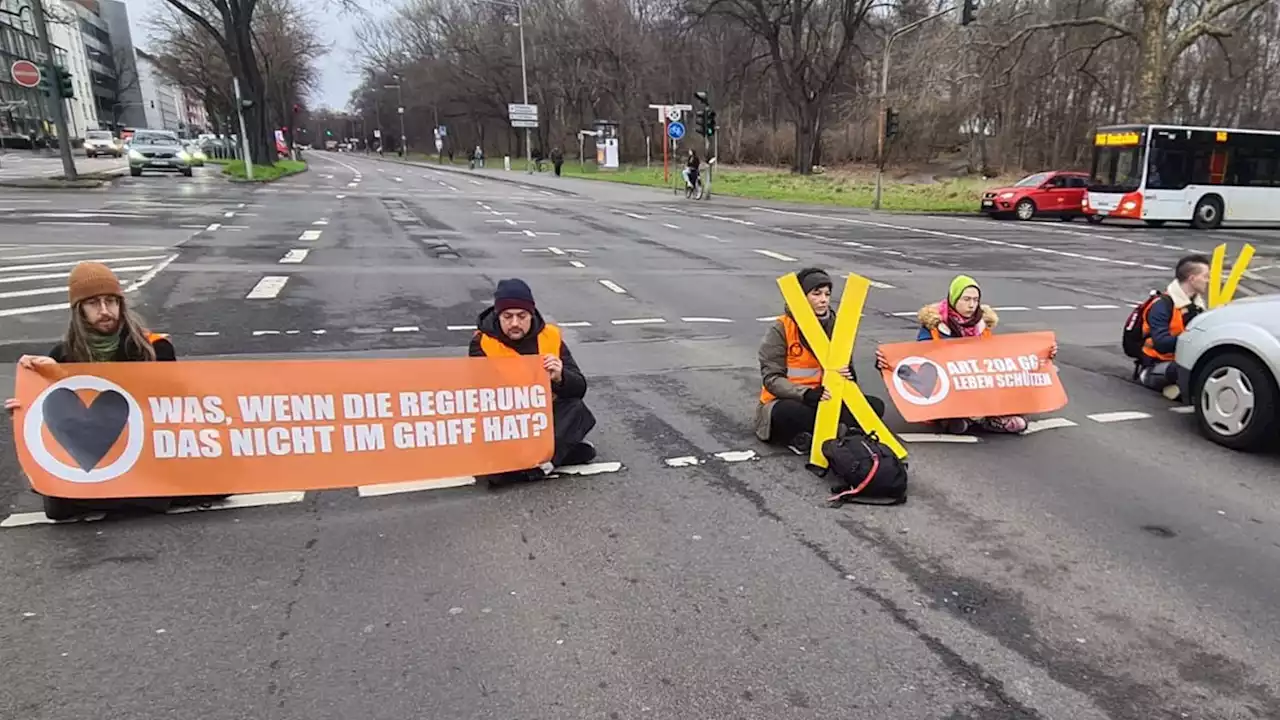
157	150
1228	362
101	142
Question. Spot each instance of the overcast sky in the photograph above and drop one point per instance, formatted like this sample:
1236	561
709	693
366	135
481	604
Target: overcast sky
335	29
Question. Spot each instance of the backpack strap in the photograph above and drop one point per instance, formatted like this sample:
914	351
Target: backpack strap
875	467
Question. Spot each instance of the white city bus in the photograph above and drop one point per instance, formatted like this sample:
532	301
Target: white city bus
1174	173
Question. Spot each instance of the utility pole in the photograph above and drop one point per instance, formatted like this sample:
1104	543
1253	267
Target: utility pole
884	96
59	105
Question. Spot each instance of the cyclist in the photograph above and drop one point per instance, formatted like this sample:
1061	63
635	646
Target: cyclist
691	170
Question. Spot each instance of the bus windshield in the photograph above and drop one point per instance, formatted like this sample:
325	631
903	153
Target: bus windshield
1118	156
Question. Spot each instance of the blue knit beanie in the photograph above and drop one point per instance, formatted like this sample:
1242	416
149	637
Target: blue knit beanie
513	293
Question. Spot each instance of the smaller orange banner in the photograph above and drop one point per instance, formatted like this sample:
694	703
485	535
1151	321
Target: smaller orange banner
973	377
120	430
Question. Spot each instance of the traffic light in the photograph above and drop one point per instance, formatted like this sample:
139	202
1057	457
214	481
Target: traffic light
65	88
47	80
701	122
890	123
968	12
328	132
702	97
711	123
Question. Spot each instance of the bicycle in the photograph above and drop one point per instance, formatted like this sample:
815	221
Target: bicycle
693	186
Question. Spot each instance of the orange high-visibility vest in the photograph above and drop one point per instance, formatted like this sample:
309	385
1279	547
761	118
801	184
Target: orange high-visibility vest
153	337
803	367
1176	325
548	344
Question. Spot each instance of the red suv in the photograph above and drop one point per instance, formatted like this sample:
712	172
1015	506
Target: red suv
1056	194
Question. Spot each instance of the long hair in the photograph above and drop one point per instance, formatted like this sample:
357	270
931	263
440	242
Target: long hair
133	334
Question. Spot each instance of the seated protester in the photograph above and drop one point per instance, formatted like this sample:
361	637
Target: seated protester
513	326
962	314
1165	319
792	374
102	328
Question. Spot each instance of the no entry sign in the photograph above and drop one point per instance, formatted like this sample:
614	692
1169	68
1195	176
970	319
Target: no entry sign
25	73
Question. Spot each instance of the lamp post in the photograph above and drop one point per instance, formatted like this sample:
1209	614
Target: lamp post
524	75
404	151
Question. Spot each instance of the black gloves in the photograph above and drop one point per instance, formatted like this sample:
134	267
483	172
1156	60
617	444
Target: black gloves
812	396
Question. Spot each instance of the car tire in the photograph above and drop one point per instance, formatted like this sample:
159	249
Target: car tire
1208	213
1154	223
186	172
136	172
1025	209
1234	398
1068	217
1094	219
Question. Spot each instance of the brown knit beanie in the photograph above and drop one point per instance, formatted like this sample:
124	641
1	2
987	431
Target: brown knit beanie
90	279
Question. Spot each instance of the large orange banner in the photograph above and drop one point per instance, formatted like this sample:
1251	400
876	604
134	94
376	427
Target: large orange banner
973	377
118	430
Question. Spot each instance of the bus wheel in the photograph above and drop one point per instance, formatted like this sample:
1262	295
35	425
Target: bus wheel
1208	214
1155	223
1025	209
1094	219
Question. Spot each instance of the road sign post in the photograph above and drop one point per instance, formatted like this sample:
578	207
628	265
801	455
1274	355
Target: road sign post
59	104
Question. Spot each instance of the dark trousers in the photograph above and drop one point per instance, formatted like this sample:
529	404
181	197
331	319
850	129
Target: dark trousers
558	164
1157	374
792	417
572	420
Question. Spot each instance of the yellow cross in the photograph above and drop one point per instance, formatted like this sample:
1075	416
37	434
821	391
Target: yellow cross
835	354
1220	294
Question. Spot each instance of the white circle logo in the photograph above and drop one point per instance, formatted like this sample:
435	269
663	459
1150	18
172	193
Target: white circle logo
921	381
87	432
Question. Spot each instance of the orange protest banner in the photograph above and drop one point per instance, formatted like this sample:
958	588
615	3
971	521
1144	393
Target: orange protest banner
119	430
973	377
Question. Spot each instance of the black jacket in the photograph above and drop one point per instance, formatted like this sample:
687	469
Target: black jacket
127	352
572	382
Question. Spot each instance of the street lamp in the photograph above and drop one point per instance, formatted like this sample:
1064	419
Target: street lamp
524	74
404	151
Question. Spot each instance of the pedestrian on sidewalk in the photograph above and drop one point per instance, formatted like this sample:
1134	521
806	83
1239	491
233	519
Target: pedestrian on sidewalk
557	159
791	375
513	326
102	328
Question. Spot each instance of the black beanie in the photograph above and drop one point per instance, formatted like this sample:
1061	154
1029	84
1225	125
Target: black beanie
513	293
812	279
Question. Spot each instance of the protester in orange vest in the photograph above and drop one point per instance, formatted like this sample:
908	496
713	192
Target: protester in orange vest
1165	319
103	328
513	326
792	375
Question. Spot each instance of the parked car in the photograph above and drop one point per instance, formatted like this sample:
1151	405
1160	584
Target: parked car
196	155
1228	362
102	142
1053	194
157	150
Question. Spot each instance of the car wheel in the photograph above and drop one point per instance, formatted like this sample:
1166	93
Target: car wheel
1067	217
186	172
1208	213
1234	397
136	172
1094	219
1025	209
1155	223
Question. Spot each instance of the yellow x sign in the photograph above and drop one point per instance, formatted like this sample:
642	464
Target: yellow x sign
835	354
1220	294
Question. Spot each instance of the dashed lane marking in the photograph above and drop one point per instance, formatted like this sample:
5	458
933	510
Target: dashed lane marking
414	486
705	320
57	276
614	286
295	255
669	225
575	324
73	223
459	327
775	255
937	438
638	321
321	221
310	235
1056	307
1119	416
1036	426
1182	409
213	227
73	263
1101	307
577	263
236	502
406	328
268	287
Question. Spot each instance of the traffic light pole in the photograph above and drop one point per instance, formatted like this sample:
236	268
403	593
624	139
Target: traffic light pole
59	107
884	97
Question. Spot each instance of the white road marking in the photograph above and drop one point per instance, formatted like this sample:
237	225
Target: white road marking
31	292
310	235
46	256
213	227
1119	416
1182	409
530	233
474	182
207	333
684	461
769	318
351	184
547	193
414	486
295	255
881	285
775	256
580	323
711	237
639	321
736	455
73	223
1009	308
39	518
406	328
614	286
229	214
321	221
1101	307
909	313
1056	307
318	332
260	333
555	250
633	215
398	179
340	197
244	501
534	250
150	275
729	219
590	469
459	327
705	319
1036	426
669	225
577	263
937	438
268	287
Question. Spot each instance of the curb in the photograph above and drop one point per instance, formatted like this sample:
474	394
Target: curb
468	173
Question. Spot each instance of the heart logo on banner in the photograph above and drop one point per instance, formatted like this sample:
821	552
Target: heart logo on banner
86	432
922	378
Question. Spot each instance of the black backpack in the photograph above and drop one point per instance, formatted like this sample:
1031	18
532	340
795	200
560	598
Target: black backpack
865	471
1133	339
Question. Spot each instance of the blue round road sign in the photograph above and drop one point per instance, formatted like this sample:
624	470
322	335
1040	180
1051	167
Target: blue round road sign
675	130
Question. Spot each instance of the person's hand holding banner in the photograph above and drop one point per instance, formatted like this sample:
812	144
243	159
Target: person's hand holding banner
973	377
119	430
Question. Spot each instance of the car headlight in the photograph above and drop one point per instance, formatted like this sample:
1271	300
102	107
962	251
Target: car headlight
1006	196
135	155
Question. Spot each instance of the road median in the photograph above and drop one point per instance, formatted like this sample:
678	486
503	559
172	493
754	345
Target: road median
234	170
83	181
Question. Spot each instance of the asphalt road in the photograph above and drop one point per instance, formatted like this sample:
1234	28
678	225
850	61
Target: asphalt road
1111	564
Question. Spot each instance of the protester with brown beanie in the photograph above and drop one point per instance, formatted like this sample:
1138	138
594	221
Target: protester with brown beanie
102	328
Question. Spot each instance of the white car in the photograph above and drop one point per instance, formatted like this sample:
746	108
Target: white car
102	142
1228	362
